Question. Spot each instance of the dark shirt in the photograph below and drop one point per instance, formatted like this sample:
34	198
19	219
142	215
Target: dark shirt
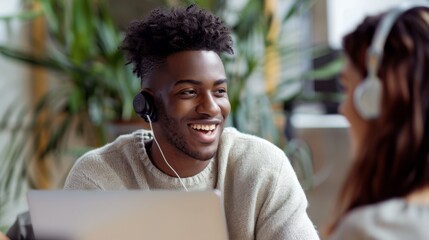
22	228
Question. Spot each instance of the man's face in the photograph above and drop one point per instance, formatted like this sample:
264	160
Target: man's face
192	103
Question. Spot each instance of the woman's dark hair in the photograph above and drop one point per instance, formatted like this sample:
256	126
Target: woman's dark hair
149	41
393	158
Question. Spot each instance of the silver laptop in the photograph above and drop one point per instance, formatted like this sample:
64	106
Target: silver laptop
127	214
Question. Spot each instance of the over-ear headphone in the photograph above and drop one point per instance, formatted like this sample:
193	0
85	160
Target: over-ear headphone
367	95
144	105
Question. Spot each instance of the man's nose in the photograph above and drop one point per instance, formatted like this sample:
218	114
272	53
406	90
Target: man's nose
207	105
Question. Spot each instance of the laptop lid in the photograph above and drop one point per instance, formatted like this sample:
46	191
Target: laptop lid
127	214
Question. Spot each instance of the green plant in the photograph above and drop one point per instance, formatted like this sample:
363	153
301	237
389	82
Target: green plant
92	87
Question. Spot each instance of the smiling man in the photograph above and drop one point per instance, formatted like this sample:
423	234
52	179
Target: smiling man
175	53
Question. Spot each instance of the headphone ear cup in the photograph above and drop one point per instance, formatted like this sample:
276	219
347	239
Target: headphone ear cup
367	98
144	106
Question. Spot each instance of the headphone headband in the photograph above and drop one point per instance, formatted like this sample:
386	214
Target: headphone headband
383	29
367	95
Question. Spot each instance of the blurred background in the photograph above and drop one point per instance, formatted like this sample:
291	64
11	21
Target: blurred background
64	88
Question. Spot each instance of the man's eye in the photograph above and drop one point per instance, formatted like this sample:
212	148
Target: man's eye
220	92
190	92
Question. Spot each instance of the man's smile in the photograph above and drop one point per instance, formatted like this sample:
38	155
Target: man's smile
204	133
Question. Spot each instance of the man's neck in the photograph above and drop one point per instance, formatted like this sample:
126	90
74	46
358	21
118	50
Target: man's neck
184	165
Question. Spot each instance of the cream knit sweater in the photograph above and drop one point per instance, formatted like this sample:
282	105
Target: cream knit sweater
262	196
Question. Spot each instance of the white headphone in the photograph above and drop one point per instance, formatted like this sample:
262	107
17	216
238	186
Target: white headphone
367	96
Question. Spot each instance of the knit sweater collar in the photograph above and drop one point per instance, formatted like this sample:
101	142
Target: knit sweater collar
206	179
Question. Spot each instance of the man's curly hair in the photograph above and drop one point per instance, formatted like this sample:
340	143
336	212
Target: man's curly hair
149	41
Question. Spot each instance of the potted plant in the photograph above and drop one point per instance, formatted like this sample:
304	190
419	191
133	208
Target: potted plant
92	88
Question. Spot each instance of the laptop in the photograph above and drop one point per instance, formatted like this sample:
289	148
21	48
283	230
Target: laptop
127	214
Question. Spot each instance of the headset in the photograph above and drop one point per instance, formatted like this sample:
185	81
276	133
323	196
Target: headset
367	95
144	106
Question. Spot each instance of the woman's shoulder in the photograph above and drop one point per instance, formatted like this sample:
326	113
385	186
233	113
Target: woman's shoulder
391	219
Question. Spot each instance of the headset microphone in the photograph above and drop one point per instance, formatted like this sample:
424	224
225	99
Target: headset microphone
162	154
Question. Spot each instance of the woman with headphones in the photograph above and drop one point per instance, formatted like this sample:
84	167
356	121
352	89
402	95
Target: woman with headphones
386	81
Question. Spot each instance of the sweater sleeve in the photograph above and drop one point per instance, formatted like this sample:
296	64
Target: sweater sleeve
283	215
81	175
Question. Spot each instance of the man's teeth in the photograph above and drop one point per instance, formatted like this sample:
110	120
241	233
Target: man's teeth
209	127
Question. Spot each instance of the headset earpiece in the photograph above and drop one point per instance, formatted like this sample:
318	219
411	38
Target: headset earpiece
144	106
367	98
368	94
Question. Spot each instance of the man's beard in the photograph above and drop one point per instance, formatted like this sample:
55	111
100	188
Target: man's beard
170	127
